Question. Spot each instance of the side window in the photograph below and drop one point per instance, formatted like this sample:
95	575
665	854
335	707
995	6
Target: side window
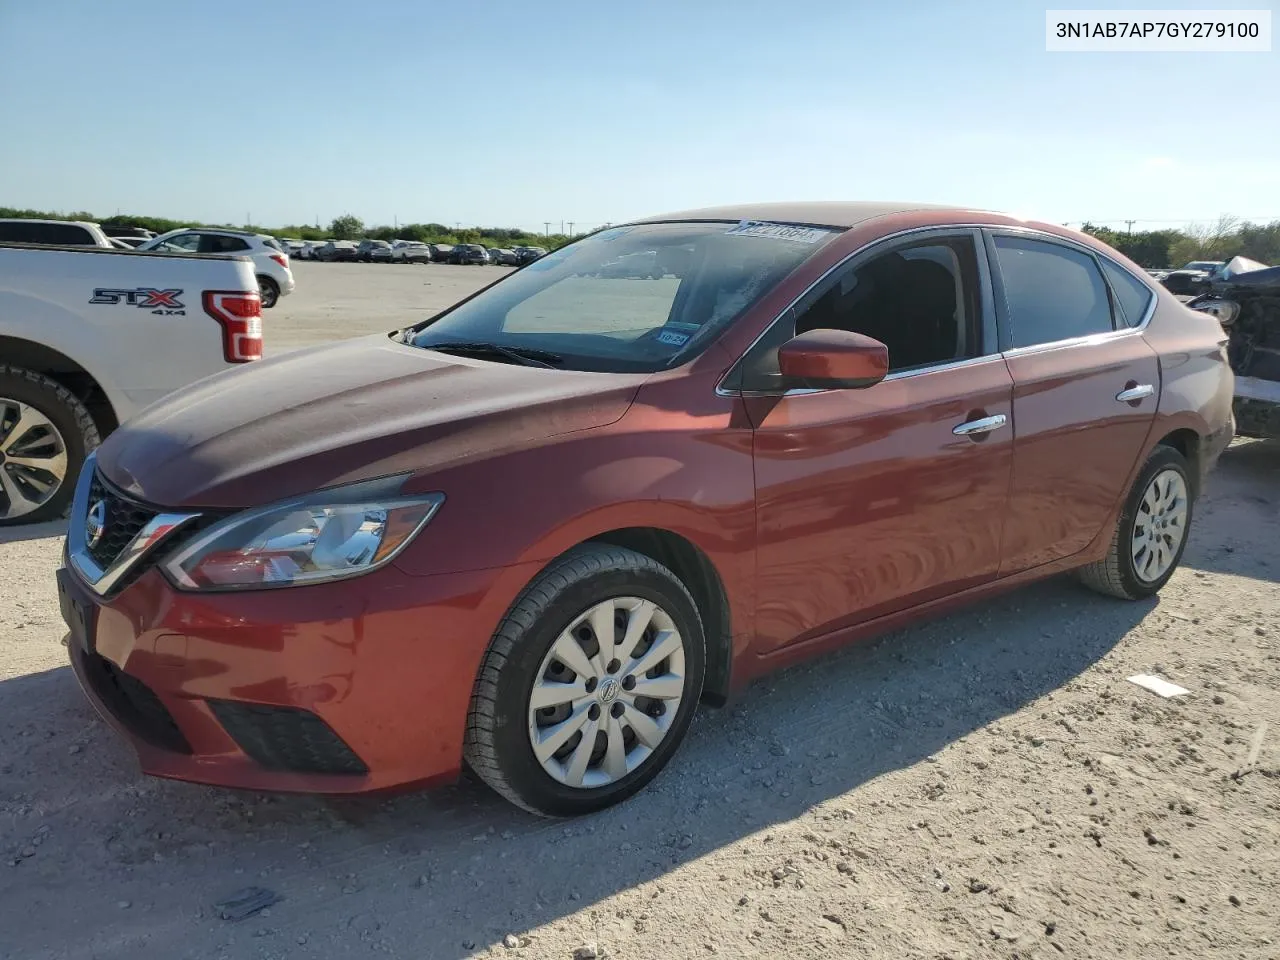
1053	292
182	243
216	243
1132	294
52	234
920	300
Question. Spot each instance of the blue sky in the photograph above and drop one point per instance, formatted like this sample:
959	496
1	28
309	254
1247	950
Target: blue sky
516	113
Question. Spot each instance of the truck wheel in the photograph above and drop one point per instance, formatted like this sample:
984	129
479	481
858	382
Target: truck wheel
45	434
268	290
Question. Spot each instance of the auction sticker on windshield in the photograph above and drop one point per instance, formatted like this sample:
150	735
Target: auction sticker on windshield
778	231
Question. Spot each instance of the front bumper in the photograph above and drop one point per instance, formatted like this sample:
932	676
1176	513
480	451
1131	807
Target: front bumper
351	687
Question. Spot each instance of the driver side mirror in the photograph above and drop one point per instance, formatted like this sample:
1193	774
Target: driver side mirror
833	360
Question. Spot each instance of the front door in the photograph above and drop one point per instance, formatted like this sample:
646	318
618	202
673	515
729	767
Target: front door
870	501
1085	390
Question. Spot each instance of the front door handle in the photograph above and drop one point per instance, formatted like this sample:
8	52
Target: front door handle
983	425
1140	392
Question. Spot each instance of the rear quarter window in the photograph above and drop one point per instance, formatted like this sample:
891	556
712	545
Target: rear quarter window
1053	292
1133	296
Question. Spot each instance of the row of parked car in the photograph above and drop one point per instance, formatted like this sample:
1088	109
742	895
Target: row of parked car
410	251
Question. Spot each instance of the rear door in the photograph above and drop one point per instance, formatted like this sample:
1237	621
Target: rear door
869	501
1085	390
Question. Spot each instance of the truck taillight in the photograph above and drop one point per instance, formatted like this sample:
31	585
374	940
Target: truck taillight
240	315
281	259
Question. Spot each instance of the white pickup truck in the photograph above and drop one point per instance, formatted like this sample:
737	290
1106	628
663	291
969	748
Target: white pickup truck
88	337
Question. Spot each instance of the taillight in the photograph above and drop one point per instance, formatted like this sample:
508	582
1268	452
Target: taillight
240	315
281	259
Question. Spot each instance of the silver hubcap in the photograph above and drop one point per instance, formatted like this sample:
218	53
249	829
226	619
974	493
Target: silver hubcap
1160	526
607	692
33	459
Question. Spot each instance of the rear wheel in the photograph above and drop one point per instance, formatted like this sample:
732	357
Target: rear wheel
268	290
589	685
1151	534
45	435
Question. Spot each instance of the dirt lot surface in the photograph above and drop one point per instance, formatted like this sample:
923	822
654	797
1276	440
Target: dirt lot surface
986	785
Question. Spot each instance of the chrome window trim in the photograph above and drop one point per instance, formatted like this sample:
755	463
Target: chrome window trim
160	528
1030	232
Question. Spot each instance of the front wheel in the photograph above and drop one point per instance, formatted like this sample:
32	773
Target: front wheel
269	291
45	435
589	685
1151	534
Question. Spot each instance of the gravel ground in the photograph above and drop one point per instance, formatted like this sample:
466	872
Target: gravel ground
985	785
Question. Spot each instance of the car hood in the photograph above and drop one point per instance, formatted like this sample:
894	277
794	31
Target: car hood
343	412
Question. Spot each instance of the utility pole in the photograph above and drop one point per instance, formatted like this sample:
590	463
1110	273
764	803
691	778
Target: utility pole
1129	224
571	228
547	225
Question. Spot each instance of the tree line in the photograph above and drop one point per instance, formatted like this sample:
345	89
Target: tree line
1226	238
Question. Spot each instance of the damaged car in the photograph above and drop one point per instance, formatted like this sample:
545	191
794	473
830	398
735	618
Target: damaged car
1246	301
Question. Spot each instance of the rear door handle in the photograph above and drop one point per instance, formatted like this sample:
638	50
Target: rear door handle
1140	392
984	425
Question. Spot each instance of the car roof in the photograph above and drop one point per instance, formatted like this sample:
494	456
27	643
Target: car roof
825	213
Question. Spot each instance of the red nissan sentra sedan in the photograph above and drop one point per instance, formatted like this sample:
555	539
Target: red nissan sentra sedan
533	532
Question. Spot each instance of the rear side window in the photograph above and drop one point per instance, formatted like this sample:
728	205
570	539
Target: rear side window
1053	292
1133	296
214	243
52	234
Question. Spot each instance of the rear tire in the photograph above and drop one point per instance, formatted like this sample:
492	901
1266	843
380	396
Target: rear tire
62	436
269	291
525	668
1157	513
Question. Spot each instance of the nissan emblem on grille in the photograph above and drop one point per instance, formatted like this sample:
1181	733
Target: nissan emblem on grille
95	524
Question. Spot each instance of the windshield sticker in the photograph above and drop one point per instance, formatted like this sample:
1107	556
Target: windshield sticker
777	231
673	339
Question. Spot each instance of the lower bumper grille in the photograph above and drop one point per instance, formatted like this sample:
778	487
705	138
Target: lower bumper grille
134	704
286	738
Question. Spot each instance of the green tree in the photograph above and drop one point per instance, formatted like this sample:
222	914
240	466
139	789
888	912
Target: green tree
346	227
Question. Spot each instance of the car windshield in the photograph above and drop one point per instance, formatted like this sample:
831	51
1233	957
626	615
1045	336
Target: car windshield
629	299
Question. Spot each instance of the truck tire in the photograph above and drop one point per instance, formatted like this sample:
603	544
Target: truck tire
269	291
45	435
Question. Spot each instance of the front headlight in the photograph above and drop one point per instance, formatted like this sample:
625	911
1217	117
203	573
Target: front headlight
329	535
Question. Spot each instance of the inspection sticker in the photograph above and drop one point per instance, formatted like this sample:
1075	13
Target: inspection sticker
671	338
777	231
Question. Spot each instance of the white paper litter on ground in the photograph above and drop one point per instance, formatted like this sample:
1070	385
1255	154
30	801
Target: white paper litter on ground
1158	685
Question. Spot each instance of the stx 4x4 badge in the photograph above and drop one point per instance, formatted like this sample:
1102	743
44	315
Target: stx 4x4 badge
164	302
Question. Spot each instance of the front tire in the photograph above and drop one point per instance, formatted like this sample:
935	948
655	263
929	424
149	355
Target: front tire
1151	533
45	435
269	291
589	685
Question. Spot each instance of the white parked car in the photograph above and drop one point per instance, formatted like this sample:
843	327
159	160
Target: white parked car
410	251
88	338
270	262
